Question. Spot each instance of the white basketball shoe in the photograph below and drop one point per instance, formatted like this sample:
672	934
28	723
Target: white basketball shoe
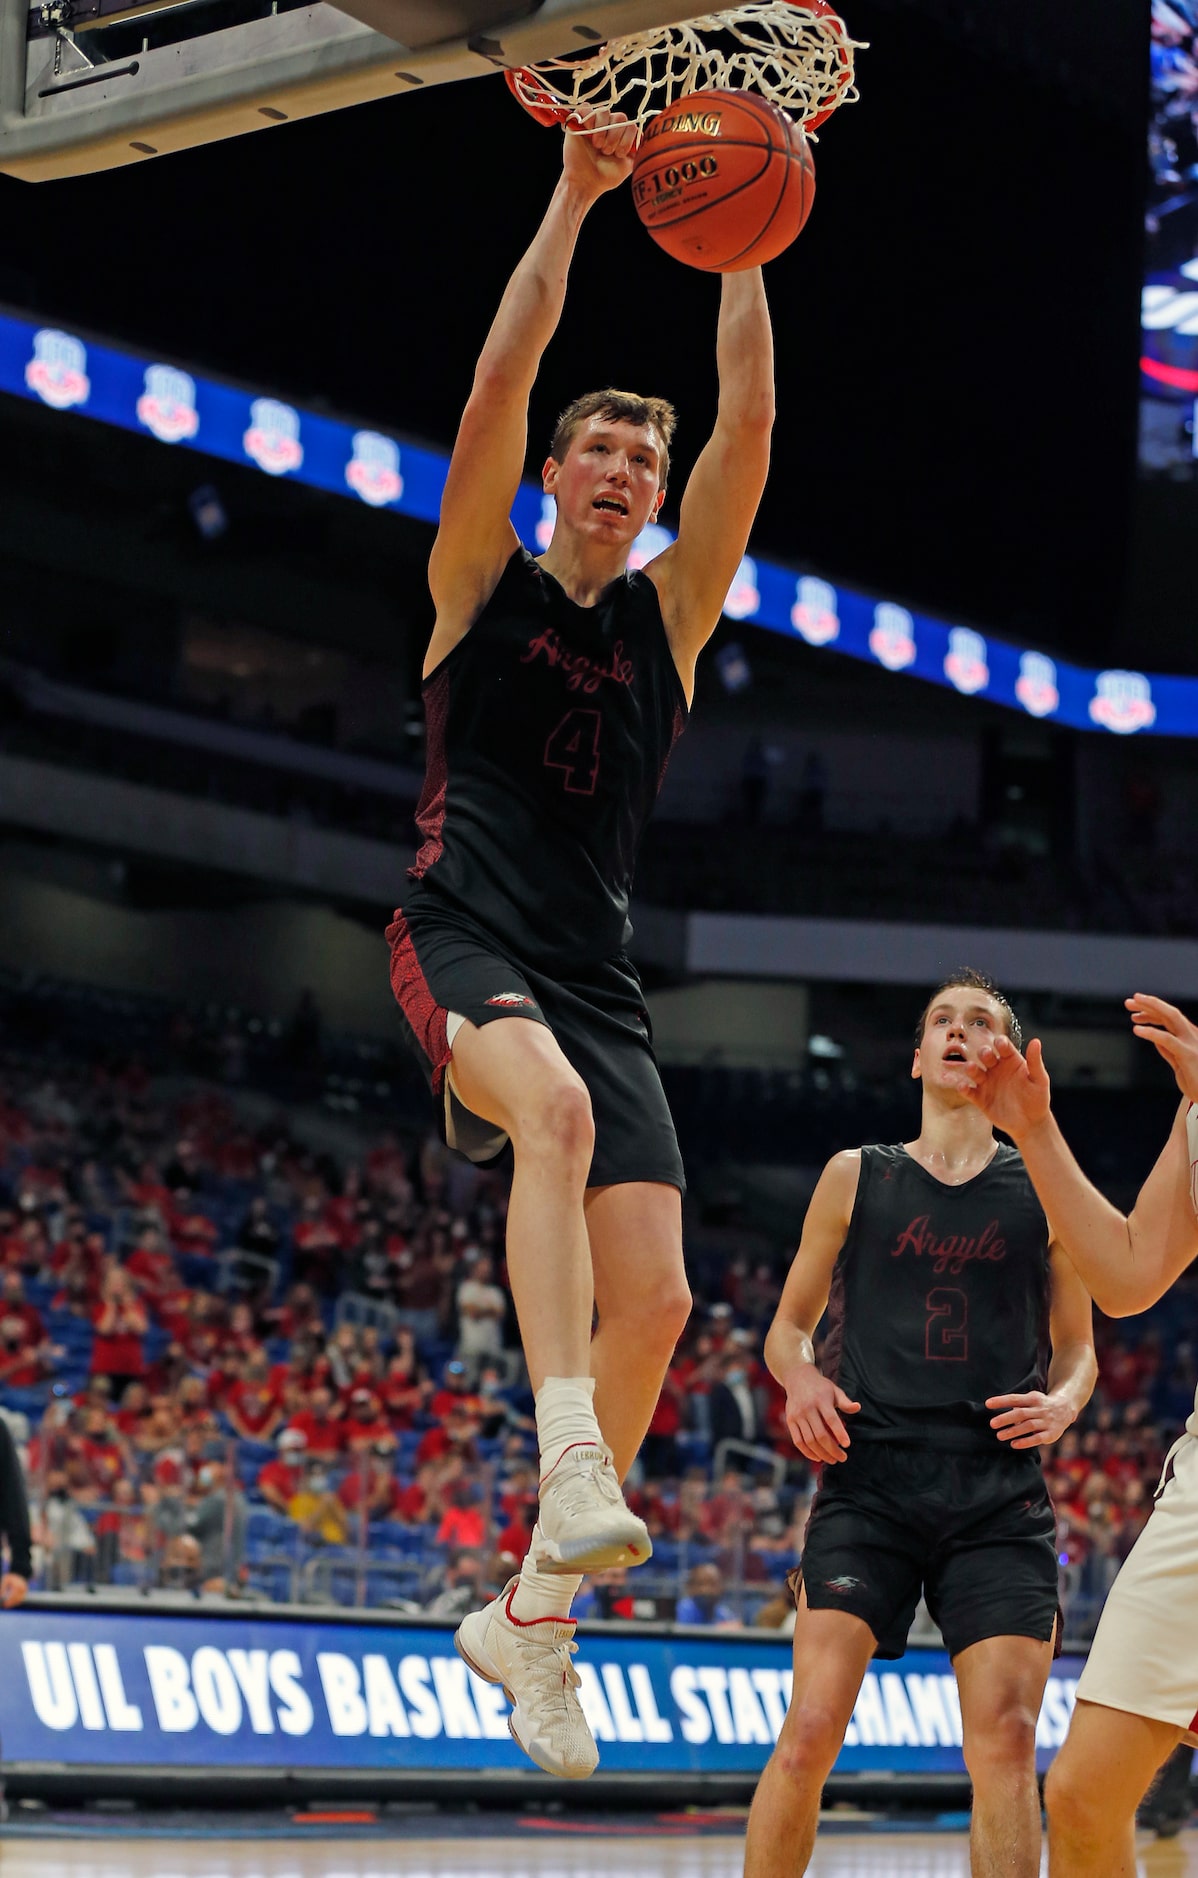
583	1524
530	1657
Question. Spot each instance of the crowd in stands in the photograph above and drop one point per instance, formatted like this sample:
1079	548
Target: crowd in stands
238	1361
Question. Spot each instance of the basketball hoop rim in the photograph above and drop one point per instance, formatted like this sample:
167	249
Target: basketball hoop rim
532	85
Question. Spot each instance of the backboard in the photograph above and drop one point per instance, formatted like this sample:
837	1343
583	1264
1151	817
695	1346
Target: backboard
89	84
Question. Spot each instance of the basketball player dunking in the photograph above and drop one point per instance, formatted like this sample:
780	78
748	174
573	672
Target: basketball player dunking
1138	1694
554	690
944	1286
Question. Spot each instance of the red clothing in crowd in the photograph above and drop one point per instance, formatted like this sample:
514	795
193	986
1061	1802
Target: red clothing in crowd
255	1403
286	1477
323	1437
119	1354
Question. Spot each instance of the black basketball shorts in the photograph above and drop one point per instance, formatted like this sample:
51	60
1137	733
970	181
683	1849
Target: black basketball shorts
976	1533
444	967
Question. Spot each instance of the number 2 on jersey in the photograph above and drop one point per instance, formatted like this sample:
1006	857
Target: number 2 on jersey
574	749
946	1339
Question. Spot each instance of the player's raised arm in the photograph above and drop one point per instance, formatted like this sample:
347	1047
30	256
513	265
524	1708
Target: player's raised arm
720	504
1126	1263
814	1404
475	536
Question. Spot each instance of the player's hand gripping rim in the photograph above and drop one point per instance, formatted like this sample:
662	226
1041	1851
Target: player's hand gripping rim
814	1406
1172	1036
1034	1420
599	149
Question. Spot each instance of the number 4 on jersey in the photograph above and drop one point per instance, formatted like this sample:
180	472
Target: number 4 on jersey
574	749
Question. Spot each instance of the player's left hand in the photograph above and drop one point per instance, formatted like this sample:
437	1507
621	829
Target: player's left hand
13	1590
600	147
1173	1036
1030	1421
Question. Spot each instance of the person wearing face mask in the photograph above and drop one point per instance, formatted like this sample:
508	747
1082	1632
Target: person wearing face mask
732	1406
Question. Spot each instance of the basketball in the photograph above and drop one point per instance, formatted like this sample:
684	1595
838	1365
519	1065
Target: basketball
723	180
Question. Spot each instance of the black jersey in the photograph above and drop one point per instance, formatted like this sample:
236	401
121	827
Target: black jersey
549	727
940	1297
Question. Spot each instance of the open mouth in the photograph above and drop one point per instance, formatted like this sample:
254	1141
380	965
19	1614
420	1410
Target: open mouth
954	1056
609	505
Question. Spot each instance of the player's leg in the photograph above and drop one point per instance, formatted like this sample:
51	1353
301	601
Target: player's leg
1001	1682
512	1072
1094	1786
643	1302
832	1652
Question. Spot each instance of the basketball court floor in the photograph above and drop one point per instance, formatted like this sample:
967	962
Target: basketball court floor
530	1848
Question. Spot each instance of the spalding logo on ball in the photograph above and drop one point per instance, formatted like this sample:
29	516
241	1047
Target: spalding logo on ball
723	180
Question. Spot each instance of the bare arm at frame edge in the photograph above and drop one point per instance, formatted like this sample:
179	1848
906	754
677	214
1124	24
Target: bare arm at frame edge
1126	1263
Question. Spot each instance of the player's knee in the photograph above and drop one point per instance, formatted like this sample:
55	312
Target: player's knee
555	1122
1069	1803
654	1311
1004	1743
808	1745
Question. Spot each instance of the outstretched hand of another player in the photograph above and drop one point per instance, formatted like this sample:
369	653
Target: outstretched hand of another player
1172	1035
599	149
814	1406
1012	1091
1032	1420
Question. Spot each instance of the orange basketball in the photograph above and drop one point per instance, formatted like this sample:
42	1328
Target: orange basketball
723	180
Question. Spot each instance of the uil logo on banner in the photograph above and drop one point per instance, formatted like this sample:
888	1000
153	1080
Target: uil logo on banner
1036	685
373	470
1122	702
652	541
814	611
548	522
965	662
272	439
892	640
57	372
743	596
167	406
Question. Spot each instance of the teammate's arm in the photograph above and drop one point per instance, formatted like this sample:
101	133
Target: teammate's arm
475	536
1040	1416
1126	1263
814	1404
694	574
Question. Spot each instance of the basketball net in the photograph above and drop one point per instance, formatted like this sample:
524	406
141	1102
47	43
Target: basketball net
798	56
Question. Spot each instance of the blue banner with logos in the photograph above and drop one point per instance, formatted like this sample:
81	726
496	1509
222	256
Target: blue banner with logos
146	1688
67	373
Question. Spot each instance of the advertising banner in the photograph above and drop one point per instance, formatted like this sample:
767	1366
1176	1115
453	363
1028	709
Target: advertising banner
67	374
106	1688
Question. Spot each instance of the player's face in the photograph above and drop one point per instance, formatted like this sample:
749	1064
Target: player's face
608	486
955	1029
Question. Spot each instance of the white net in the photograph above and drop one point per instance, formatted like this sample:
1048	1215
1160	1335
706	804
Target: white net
800	57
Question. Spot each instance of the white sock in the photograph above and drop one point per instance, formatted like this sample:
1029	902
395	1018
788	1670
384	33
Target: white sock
542	1594
565	1409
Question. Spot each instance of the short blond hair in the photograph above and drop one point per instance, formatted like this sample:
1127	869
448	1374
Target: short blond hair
626	407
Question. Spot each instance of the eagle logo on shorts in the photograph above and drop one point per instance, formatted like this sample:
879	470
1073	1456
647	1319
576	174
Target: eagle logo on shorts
844	1584
512	998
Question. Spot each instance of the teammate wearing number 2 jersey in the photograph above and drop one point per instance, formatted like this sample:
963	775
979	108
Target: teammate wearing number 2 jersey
958	1341
554	690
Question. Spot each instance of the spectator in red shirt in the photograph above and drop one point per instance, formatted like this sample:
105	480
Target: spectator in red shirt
134	1407
317	1246
405	1387
252	1405
26	1353
119	1320
376	1474
151	1266
298	1316
455	1392
107	1457
419	1503
365	1424
320	1427
463	1523
80	1275
456	1435
281	1479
